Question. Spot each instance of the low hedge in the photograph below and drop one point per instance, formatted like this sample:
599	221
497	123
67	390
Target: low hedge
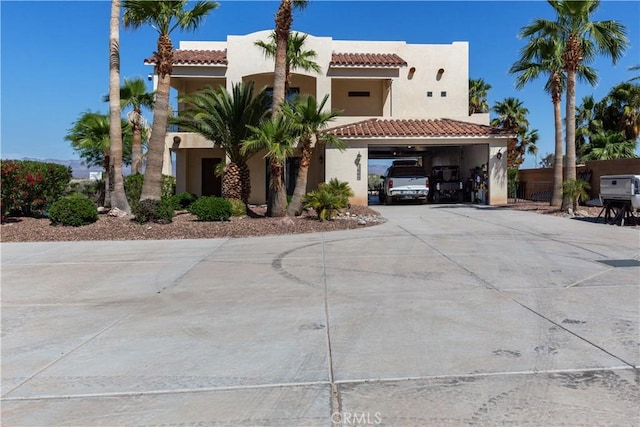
74	210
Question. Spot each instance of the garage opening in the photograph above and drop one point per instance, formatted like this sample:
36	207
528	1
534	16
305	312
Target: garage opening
455	173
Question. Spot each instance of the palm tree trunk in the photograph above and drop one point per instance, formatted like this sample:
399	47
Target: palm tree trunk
117	197
556	198
284	18
295	206
277	204
152	184
570	168
136	149
106	194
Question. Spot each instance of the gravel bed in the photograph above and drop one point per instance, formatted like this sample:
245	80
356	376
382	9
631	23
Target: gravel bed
185	226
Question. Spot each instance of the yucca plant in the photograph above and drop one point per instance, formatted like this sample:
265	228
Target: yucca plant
328	199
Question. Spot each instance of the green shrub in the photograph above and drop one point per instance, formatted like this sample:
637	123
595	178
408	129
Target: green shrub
183	200
133	187
211	208
328	199
238	207
74	210
93	189
30	187
158	211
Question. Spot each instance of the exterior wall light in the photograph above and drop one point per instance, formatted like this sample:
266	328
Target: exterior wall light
499	154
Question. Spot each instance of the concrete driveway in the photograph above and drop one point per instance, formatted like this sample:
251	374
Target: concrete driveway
444	315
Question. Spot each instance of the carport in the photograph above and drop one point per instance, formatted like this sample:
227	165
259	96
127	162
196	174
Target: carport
442	142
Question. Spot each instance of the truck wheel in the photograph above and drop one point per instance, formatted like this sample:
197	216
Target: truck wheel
388	200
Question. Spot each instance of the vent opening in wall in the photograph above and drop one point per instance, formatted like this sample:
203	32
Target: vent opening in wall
443	93
359	93
429	94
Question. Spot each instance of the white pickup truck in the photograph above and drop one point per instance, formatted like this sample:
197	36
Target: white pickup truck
404	182
621	189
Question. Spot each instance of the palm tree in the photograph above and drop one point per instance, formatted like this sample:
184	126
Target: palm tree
90	137
277	136
297	57
576	190
223	117
609	145
511	115
542	56
586	124
582	39
308	120
115	195
478	91
134	94
284	20
634	68
625	98
164	17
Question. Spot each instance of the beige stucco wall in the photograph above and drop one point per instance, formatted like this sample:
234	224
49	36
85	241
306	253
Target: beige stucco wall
189	168
342	165
370	106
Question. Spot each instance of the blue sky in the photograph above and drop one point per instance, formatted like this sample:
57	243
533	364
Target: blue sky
54	55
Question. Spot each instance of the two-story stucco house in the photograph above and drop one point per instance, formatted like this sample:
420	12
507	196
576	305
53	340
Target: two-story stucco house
397	99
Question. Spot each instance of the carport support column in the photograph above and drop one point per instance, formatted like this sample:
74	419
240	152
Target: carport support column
497	173
349	165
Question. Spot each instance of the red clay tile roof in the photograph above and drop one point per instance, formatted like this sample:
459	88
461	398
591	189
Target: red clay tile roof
366	60
196	57
210	57
381	128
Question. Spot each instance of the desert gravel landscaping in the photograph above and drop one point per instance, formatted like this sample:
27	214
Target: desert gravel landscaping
185	225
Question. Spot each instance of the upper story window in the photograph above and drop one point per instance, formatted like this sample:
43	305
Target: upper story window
429	94
443	94
359	93
291	94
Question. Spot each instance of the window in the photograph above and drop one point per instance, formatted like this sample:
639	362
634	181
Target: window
293	92
443	94
362	94
429	94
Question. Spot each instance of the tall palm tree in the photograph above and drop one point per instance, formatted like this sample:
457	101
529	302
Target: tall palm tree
283	21
277	136
308	120
115	195
478	92
223	117
511	115
582	39
542	56
164	17
297	57
134	95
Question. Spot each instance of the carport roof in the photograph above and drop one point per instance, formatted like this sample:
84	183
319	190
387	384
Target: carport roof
411	128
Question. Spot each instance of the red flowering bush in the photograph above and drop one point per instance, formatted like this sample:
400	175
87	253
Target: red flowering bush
29	187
